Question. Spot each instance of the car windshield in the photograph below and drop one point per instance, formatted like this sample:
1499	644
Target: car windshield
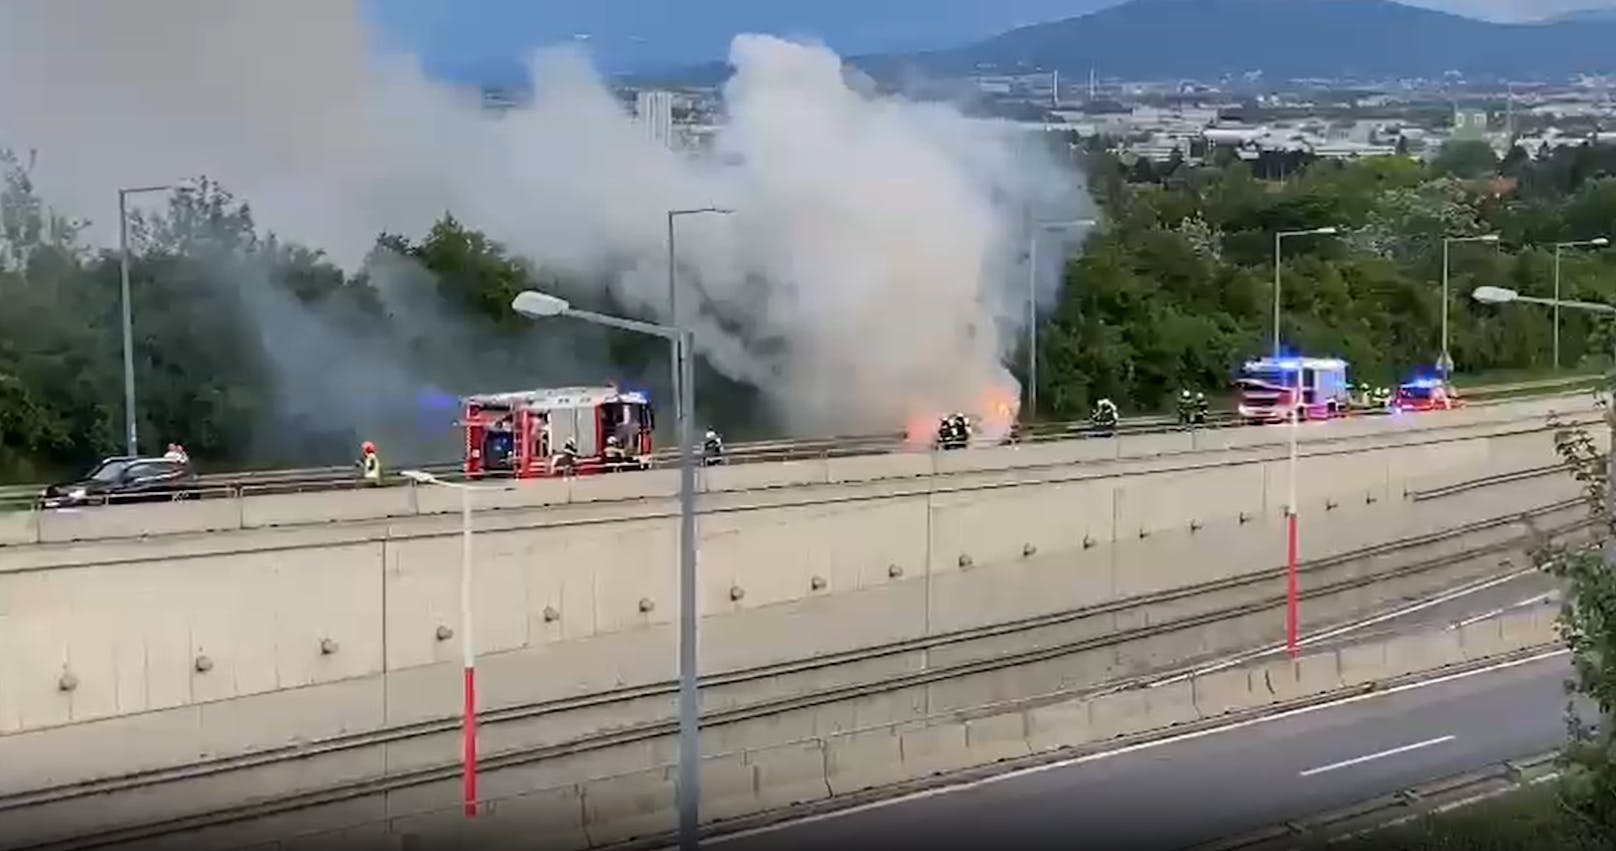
1275	377
1417	391
109	471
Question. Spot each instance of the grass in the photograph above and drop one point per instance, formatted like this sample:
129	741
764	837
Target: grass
1526	820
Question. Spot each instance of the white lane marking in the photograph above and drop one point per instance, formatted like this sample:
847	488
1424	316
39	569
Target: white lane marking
1360	760
1351	627
1530	601
1142	746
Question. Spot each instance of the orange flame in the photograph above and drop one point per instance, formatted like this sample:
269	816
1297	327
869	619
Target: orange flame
920	431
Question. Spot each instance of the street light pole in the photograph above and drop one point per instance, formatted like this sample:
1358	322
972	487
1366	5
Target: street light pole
1278	238
673	299
1292	580
1032	303
540	305
1446	364
1501	295
468	652
131	439
1598	241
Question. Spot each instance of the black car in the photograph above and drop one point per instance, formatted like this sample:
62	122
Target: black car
120	480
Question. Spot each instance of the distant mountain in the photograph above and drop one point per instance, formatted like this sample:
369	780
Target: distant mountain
471	40
1283	39
1607	13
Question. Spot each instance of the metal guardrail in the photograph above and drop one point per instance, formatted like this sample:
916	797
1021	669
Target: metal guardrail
1386	811
258	482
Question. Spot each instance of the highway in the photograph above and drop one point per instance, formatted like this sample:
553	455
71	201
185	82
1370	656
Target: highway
1204	786
235	484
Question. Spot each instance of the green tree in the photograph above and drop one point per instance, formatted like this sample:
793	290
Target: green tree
1466	159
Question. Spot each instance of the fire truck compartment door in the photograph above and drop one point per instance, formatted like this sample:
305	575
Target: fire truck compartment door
575	423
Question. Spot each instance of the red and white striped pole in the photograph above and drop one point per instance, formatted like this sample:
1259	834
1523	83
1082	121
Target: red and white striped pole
468	723
1292	591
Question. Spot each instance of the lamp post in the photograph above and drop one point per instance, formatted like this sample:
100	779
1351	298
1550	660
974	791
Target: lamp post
1599	242
1278	238
537	305
1292	580
673	292
1032	302
1445	365
130	436
468	653
1501	295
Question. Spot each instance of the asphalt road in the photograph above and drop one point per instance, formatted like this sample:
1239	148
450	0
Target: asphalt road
1228	782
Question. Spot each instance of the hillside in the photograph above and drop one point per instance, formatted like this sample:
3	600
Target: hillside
1283	39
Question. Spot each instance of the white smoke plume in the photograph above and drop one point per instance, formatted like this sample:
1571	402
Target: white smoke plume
870	273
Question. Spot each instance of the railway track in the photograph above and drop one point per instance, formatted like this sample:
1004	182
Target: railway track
237	484
1257	601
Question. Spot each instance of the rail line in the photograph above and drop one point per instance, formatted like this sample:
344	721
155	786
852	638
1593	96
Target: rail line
234	484
768	707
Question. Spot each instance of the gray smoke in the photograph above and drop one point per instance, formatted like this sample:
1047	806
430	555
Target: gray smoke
871	273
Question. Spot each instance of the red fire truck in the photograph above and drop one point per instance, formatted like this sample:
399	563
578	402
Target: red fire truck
522	434
1270	388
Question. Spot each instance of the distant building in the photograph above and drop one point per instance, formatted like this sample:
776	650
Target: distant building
1469	124
655	111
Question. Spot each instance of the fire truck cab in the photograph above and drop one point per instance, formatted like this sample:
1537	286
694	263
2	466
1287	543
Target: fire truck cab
521	434
1269	389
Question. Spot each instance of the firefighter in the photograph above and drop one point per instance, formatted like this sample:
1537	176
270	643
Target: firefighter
1105	415
1186	407
952	431
614	456
1201	408
370	463
962	431
712	448
566	461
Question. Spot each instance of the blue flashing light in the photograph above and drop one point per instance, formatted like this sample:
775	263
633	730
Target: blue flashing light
433	399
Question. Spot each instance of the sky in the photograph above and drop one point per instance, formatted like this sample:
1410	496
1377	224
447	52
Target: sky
471	39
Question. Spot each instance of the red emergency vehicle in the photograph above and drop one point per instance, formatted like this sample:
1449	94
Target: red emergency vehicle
1271	388
523	434
1426	394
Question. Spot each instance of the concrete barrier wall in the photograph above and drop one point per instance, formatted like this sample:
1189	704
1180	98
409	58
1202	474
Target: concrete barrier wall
585	607
955	599
627	792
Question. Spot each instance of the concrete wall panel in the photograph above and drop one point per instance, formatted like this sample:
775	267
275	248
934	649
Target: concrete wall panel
741	477
138	520
1012	589
494	495
864	468
640	484
292	509
999	525
19	527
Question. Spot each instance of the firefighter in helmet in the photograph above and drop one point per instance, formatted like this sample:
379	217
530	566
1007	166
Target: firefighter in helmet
712	448
1105	415
1186	407
1198	415
614	456
566	461
370	463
